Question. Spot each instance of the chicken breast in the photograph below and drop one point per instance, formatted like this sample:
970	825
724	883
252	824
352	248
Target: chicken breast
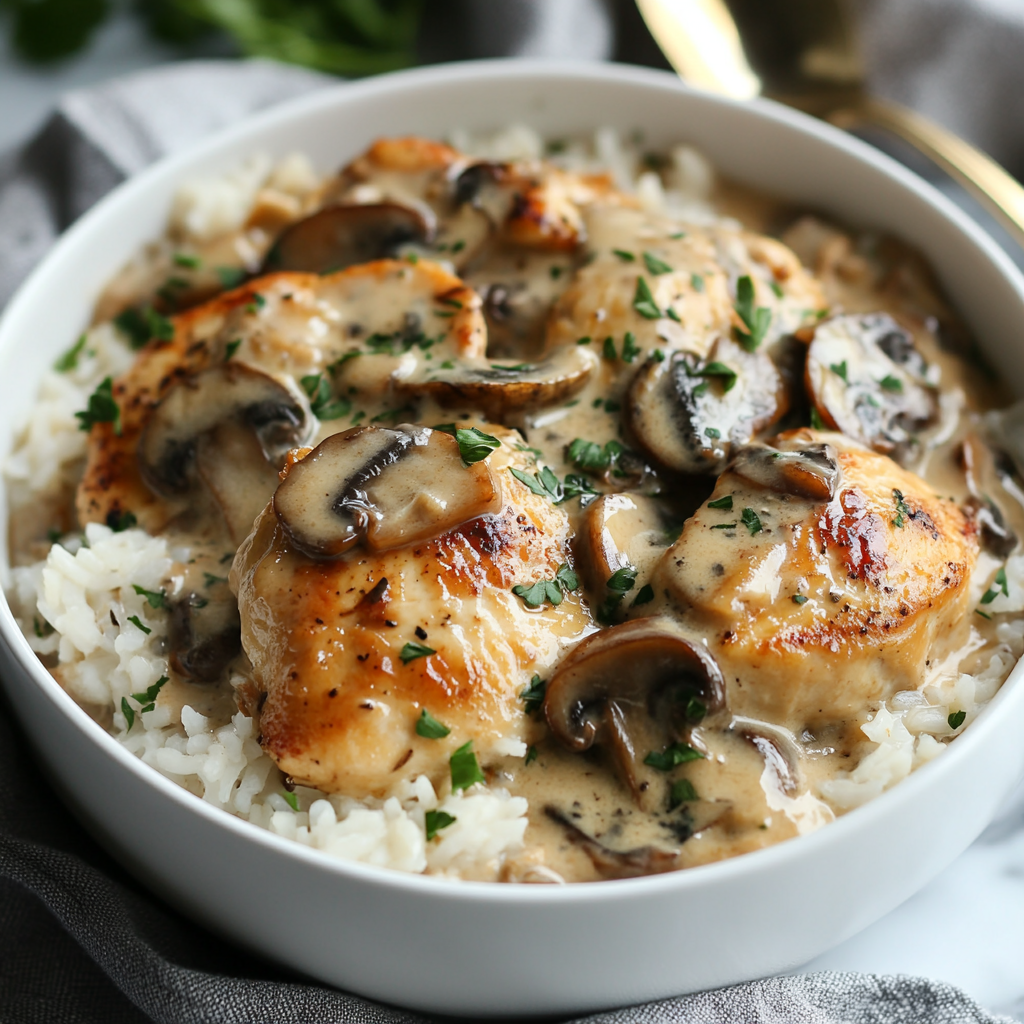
818	606
329	640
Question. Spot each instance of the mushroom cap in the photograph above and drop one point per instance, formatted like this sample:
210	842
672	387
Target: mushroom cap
805	470
620	530
341	236
687	412
381	486
867	380
627	664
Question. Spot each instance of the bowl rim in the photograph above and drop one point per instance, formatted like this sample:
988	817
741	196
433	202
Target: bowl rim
33	290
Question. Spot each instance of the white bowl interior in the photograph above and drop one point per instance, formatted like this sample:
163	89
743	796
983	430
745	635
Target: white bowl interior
620	941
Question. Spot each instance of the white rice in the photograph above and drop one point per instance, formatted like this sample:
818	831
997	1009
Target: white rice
77	605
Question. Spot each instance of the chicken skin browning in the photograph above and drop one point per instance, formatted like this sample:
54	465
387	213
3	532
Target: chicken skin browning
326	641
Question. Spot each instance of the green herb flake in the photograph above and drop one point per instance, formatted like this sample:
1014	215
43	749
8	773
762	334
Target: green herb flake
128	711
891	384
624	255
101	408
159	326
682	792
816	421
412	258
713	432
181	259
725	526
585	340
474	445
592	457
429	727
903	511
464	768
751	521
533	696
984	615
291	799
1000	586
672	756
799	599
434	821
154	598
643	301
231	348
840	370
550	591
458	245
447	301
645	595
656	266
630	349
724	502
608	348
673	315
544	484
696	710
622	580
209	580
413	650
136	621
956	719
515	367
69	360
555	272
677	235
531	754
697	282
776	289
255	303
41	627
230	277
756	320
718	370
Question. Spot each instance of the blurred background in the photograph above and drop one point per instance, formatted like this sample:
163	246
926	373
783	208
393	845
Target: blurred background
958	61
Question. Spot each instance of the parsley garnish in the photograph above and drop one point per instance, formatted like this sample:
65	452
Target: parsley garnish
725	526
697	282
255	303
656	266
672	756
644	595
445	300
516	368
799	599
891	383
536	594
630	349
41	627
585	340
318	388
839	369
413	650
713	432
956	719
672	315
128	711
181	259
756	320
1000	586
120	520
714	369
231	348
682	792
391	414
475	445
428	726
816	421
984	615
725	503
622	580
154	598
291	800
608	348
101	408
136	621
592	457
533	695
434	821
147	699
751	521
69	360
230	277
624	255
776	289
902	509
696	710
544	484
464	768
531	754
643	301
209	580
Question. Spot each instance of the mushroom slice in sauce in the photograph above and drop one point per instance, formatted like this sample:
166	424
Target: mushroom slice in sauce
620	530
804	470
205	634
611	689
688	412
996	497
500	389
384	487
867	380
341	236
230	425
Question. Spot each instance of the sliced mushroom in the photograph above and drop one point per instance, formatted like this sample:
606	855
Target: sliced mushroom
230	426
778	747
485	187
341	236
620	530
499	389
612	690
383	487
688	412
867	380
624	842
205	634
805	470
996	495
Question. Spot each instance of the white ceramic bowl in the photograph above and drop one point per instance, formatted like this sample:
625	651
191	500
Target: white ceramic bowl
483	949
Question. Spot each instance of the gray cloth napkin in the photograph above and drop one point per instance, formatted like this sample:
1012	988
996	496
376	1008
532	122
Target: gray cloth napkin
79	940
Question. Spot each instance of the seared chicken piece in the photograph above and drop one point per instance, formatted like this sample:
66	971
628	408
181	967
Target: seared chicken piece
823	576
329	640
392	314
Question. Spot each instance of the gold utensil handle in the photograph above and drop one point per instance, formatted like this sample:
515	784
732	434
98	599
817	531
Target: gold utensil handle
1001	194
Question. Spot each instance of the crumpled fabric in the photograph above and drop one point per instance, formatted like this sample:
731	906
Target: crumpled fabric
80	940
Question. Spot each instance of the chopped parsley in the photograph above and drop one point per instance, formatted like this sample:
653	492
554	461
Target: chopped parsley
209	580
816	421
230	277
154	598
672	756
644	595
756	320
531	754
725	526
120	520
624	255
544	484
672	314
725	503
475	445
592	457
255	303
776	289
799	599
101	408
752	521
984	615
147	700
630	349
1000	586
714	369
643	301
136	621
839	369
448	301
324	407
903	511
682	792
391	414
434	821
697	282
128	711
608	348
69	360
956	719
551	591
533	695
585	340
41	627
429	727
139	325
656	266
231	348
464	768
622	580
892	384
181	259
291	799
713	432
555	272
413	650
696	709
